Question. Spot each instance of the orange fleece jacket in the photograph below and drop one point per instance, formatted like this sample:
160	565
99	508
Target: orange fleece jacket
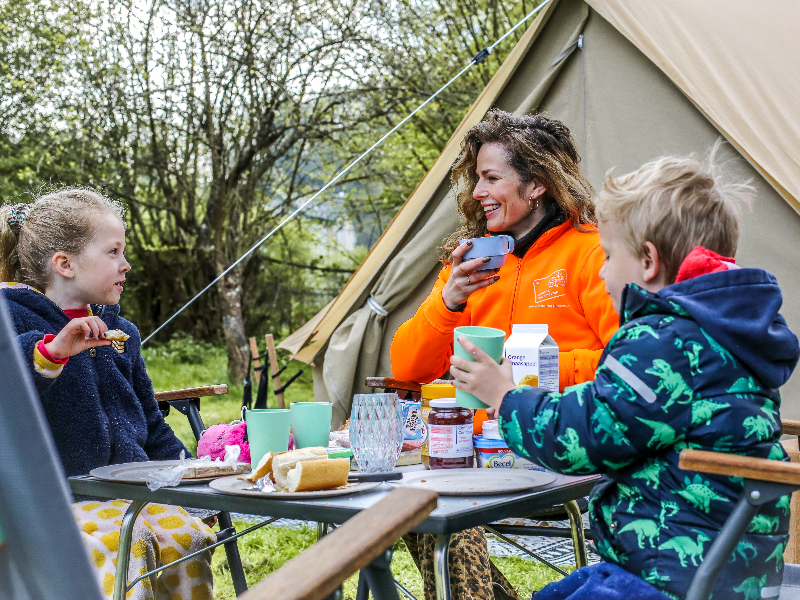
556	283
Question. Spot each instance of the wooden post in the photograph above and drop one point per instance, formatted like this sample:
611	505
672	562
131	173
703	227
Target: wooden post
273	362
254	352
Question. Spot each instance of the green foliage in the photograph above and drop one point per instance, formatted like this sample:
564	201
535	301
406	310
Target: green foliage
182	349
212	124
268	548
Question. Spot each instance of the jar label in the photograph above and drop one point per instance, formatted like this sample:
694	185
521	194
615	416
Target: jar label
450	441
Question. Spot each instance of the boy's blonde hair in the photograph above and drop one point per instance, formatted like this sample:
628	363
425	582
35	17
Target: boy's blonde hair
676	203
60	221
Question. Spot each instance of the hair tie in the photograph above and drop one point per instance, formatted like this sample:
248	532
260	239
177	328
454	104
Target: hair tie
17	215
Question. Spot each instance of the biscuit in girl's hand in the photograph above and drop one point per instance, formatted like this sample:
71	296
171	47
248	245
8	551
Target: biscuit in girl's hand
116	335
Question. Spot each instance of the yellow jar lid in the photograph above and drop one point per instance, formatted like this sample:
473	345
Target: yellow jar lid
432	391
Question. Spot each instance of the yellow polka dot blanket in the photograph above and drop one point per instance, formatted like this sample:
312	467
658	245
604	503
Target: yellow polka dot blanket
161	535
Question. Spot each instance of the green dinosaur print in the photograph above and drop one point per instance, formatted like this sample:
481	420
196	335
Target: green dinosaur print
608	426
605	549
751	587
693	355
627	359
653	578
683	445
776	452
621	387
645	529
777	556
703	410
663	434
631	494
742	549
616	466
581	390
725	443
699	493
758	426
636	331
686	547
744	385
783	504
540	423
608	514
574	454
670	381
723	354
772	414
512	433
665	321
678	309
667	506
764	524
650	472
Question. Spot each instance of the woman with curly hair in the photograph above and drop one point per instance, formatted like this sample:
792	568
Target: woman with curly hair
519	176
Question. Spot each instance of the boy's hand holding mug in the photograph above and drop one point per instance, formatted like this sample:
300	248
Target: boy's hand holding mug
482	378
74	338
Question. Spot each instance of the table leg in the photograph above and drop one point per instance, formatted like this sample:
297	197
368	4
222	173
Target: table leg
578	540
124	548
441	558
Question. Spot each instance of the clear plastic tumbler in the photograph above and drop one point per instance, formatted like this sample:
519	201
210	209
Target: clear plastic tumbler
376	431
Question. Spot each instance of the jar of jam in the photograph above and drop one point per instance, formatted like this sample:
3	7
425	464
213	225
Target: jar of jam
450	430
432	391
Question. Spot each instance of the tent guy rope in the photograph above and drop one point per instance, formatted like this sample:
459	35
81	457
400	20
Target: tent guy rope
478	58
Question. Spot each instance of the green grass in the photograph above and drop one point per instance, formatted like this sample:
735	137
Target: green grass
268	548
186	363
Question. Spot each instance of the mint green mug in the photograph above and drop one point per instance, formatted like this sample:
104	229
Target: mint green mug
267	431
311	423
488	339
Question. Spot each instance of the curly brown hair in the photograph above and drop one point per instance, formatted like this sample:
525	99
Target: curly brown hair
537	148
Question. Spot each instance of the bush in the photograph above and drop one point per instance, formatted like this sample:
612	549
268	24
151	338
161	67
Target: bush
182	349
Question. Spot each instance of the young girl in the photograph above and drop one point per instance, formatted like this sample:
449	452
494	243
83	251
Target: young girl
62	271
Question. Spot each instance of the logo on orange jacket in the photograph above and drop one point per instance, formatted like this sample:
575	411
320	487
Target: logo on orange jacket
552	286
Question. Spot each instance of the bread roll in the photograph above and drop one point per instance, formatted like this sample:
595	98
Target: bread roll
216	470
282	463
325	474
264	466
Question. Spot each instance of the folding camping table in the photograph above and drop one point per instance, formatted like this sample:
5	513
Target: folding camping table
453	514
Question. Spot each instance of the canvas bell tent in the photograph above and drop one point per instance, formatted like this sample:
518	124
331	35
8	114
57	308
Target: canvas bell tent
633	80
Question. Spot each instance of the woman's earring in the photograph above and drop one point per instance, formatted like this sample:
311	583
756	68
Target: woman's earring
532	205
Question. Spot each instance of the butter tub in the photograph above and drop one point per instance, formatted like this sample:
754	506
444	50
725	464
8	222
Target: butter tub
495	454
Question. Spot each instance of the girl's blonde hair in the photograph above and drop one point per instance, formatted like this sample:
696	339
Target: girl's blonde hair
537	148
60	221
676	203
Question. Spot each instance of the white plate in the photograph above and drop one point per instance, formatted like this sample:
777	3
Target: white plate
136	472
476	482
236	484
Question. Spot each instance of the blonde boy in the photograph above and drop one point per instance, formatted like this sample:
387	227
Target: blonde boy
696	363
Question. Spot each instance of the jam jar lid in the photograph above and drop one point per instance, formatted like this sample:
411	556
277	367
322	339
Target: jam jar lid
432	391
444	403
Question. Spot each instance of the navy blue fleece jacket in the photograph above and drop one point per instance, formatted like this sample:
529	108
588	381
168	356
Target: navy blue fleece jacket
101	409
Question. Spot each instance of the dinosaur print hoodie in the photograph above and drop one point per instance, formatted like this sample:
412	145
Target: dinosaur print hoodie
696	365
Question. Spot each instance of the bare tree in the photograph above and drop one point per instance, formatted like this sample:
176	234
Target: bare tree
206	111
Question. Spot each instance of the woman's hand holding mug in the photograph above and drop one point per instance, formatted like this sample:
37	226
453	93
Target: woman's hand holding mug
464	279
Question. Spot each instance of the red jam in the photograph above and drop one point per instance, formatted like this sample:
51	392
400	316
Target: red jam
450	430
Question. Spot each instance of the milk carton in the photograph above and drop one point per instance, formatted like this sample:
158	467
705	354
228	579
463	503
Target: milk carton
533	352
